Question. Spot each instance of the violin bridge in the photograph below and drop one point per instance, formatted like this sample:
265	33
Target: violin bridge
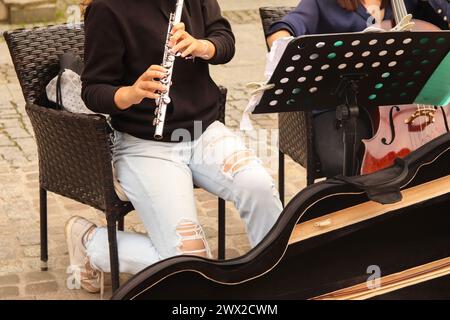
429	113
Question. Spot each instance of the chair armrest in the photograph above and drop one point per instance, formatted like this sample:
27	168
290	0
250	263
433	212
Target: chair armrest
74	155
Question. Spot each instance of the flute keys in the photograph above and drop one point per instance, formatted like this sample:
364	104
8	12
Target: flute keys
168	63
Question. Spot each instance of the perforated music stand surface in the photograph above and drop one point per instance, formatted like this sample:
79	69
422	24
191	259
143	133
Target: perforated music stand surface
395	67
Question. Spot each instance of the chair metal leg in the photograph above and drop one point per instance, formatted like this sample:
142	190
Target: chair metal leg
310	180
281	176
121	224
43	228
311	174
113	254
222	229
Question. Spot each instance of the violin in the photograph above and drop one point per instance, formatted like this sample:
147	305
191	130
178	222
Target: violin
402	129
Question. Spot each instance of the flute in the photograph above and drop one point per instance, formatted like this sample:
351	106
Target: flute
168	62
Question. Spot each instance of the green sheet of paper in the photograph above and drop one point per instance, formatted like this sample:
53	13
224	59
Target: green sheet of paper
437	90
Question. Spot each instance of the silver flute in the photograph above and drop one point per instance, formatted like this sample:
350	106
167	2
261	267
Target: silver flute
168	62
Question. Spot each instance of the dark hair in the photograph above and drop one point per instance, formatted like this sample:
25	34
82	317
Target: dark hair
352	5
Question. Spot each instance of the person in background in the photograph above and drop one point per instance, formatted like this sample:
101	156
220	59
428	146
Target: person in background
342	16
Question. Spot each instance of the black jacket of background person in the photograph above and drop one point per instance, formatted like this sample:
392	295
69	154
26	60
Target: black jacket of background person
124	38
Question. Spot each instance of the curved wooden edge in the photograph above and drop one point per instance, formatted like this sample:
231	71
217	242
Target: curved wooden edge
368	210
393	282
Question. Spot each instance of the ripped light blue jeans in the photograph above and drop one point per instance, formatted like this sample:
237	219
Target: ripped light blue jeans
158	179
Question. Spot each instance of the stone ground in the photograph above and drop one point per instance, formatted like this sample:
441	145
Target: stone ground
20	275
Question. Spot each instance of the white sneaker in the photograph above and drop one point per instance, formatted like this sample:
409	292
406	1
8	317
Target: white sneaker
77	229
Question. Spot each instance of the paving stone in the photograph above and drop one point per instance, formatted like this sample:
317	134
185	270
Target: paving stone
28	238
4	169
32	184
4	221
21	297
32	176
60	250
132	218
8	292
32	251
56	225
210	231
30	168
7	253
139	229
232	253
6	240
210	204
19	210
7	179
76	207
9	279
10	266
34	264
13	155
41	288
68	295
212	213
9	124
58	238
27	145
244	248
236	229
5	141
239	241
204	196
39	276
33	13
50	201
18	132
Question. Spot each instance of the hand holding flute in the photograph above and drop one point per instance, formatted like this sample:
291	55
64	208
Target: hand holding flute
185	45
147	86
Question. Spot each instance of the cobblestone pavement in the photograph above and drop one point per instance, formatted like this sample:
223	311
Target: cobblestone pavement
20	276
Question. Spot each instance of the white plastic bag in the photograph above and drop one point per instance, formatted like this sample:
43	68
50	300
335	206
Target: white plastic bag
70	92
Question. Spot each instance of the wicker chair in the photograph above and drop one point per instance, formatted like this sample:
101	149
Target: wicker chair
296	128
74	149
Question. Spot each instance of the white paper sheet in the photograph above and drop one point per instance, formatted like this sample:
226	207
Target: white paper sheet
272	60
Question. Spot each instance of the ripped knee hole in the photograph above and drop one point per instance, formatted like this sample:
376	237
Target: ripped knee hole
238	161
192	240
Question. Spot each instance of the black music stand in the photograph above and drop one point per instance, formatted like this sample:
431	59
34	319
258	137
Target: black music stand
347	72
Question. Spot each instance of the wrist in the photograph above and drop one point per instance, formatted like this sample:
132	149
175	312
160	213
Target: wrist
123	99
204	52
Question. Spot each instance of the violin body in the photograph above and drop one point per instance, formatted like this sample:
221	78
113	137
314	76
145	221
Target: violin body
330	240
402	129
